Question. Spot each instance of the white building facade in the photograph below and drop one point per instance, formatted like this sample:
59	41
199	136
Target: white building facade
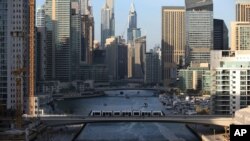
230	81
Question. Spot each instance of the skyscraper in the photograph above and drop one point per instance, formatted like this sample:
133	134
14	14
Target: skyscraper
199	30
131	60
41	45
75	39
243	10
62	45
14	52
87	27
40	17
240	36
116	58
58	13
107	21
173	42
84	6
133	32
3	59
152	67
139	58
111	5
241	28
50	21
220	35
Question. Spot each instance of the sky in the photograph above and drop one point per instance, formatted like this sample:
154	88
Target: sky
149	16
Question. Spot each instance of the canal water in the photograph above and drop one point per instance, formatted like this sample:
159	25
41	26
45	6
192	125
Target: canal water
125	131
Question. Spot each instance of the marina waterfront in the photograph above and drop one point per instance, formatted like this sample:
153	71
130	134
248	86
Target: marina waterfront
128	100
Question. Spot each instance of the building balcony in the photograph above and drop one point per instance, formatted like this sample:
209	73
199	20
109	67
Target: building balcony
243	78
222	103
223	88
223	93
225	78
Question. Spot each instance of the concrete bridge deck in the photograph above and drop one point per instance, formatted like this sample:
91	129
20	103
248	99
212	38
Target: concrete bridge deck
197	119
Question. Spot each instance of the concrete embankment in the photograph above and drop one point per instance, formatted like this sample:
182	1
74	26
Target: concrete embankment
207	133
76	96
19	135
78	133
194	132
60	133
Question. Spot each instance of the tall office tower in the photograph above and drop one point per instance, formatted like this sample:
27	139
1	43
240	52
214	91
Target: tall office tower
152	68
139	58
133	32
220	35
62	39
105	24
75	40
58	13
111	5
84	6
240	35
173	42
3	59
41	44
243	10
107	21
50	21
131	60
40	17
199	31
230	80
116	58
87	27
14	52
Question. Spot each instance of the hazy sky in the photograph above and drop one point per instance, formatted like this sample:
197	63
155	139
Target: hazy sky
149	15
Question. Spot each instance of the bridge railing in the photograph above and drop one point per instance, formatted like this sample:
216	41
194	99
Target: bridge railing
166	116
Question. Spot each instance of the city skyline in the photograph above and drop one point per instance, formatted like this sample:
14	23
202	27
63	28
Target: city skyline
153	32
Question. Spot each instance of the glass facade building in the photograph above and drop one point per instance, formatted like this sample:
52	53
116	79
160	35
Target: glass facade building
58	20
199	30
107	21
133	32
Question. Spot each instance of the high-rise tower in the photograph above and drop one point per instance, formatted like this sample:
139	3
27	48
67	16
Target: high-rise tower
241	28
58	13
199	31
41	44
243	10
87	27
107	21
220	35
173	42
133	32
17	56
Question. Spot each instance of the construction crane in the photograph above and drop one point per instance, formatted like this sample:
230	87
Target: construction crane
31	68
19	102
18	73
